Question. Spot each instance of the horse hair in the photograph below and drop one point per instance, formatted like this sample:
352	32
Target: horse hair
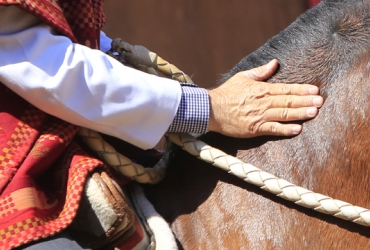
328	46
331	36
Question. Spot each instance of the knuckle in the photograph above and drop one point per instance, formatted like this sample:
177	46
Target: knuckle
289	101
302	89
259	70
275	127
255	127
284	113
304	102
257	104
287	89
262	89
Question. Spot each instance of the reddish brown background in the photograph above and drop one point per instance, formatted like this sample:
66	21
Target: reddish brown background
204	38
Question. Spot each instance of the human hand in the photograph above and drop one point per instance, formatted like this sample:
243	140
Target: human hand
245	107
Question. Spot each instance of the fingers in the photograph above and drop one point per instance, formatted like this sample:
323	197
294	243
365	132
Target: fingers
245	106
278	129
263	72
290	114
291	101
288	89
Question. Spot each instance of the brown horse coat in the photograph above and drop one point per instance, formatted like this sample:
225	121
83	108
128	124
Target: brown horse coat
328	46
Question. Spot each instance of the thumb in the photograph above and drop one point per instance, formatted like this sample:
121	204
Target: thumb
263	72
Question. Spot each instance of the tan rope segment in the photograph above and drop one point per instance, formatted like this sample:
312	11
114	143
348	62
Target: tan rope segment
121	163
145	60
272	184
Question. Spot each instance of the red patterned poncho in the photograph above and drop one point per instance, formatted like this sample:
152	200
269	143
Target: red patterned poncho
42	172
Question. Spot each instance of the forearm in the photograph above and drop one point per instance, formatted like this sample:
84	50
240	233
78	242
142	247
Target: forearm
192	115
96	92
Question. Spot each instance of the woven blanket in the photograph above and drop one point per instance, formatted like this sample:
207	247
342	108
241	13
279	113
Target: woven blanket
42	170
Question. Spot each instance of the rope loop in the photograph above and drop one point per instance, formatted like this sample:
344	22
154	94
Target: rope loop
121	163
141	58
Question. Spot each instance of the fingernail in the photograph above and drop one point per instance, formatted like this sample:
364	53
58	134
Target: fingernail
311	111
271	64
317	101
313	90
296	129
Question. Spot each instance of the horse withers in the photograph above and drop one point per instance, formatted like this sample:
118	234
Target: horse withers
328	46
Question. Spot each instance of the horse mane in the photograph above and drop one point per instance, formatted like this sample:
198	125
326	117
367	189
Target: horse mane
321	46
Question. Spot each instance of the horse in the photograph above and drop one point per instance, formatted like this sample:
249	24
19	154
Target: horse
207	208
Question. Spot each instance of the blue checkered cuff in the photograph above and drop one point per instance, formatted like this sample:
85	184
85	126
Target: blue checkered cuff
193	112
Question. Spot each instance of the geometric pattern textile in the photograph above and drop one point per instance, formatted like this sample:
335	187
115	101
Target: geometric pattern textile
80	20
42	171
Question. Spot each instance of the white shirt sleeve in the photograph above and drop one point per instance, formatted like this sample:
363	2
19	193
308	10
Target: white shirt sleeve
86	87
105	42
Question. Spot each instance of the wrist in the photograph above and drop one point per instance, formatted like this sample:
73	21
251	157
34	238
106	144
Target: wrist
193	112
213	124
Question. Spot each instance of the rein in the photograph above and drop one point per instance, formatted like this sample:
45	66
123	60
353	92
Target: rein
147	61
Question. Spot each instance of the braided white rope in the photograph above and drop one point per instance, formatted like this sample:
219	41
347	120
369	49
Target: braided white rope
271	183
121	163
149	61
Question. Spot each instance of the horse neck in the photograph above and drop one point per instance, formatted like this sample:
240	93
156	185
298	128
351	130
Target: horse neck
330	156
